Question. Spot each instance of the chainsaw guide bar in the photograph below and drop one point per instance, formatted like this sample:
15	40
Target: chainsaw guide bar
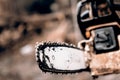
60	58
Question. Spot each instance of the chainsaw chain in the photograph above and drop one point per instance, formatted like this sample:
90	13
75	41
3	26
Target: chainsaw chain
40	48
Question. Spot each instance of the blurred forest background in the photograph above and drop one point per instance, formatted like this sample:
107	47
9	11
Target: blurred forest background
25	22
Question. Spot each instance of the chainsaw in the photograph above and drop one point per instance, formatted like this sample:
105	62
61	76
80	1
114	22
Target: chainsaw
99	53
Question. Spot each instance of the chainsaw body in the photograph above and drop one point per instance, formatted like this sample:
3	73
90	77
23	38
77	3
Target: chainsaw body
99	21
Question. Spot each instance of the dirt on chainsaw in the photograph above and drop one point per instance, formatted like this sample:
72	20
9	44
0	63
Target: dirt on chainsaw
21	28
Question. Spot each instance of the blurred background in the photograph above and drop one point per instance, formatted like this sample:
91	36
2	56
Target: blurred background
25	22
